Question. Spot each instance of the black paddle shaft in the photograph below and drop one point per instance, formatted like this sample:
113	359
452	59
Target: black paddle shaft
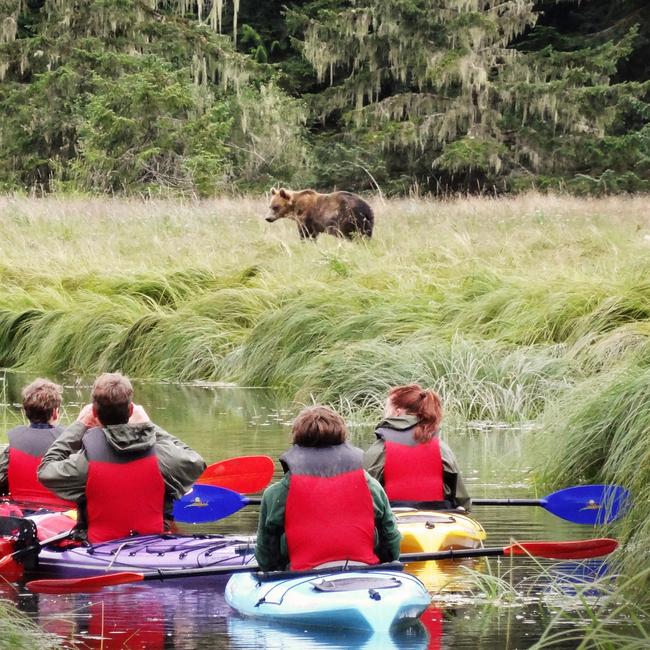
256	501
506	502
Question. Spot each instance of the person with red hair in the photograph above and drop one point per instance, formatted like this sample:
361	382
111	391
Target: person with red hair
409	459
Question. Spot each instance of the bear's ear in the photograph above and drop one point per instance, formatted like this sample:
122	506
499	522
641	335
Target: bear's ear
285	194
273	191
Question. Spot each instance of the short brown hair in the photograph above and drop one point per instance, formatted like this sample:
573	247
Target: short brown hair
319	426
40	398
112	394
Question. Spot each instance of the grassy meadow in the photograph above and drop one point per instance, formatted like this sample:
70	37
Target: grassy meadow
532	308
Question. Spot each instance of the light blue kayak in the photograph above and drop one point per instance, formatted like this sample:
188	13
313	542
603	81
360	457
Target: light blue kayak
375	601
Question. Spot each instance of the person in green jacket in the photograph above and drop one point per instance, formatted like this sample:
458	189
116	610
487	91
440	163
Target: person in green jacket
408	458
326	510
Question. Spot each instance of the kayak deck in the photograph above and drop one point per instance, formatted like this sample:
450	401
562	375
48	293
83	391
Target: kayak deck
374	600
147	553
430	531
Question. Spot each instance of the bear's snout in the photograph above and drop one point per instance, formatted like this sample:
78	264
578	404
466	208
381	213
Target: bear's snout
270	218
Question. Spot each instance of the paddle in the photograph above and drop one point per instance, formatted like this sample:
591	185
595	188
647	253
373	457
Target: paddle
205	503
574	550
582	504
244	474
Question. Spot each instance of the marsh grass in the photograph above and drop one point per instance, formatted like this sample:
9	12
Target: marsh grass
612	620
501	304
599	432
17	632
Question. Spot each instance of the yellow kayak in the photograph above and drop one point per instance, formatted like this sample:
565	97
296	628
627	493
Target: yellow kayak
429	531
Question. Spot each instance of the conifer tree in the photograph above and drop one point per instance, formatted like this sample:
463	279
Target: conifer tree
114	95
435	92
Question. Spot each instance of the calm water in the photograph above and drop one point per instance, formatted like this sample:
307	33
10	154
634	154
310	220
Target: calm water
222	422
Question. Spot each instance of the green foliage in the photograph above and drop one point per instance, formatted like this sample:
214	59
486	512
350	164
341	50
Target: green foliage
412	96
455	107
142	129
127	97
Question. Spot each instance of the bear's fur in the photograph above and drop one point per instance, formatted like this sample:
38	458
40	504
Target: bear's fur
341	214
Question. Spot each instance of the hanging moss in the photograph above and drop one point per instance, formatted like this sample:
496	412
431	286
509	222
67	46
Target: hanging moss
116	95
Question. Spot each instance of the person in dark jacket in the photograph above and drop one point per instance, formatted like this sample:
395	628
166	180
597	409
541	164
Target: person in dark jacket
326	510
27	444
123	470
408	458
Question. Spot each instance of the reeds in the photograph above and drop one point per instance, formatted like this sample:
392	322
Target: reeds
17	632
502	305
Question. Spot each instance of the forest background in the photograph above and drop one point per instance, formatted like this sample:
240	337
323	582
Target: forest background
401	96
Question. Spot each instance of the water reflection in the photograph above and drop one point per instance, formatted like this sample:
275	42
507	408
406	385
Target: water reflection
244	634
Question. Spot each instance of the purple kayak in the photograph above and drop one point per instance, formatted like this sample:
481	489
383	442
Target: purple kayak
147	553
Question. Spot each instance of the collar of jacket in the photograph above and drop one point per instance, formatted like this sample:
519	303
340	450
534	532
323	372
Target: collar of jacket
400	422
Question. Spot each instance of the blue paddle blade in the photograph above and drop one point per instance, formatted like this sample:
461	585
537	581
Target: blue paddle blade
205	503
588	504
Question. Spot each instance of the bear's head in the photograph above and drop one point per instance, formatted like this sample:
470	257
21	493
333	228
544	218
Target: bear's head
282	204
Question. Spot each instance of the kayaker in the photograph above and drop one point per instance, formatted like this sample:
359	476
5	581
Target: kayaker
123	470
326	509
408	458
27	444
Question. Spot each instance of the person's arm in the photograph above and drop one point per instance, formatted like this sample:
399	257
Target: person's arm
179	464
388	535
374	460
4	471
64	467
270	551
455	489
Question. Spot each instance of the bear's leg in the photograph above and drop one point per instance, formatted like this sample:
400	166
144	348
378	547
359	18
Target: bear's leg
306	233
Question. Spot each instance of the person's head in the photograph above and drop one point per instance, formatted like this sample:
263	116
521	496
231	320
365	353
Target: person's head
425	405
112	396
319	426
41	401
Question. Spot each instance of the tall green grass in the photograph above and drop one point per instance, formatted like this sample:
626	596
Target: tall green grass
600	432
17	632
501	305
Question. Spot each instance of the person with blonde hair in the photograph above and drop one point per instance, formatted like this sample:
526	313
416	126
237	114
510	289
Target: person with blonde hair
27	444
123	470
409	459
326	510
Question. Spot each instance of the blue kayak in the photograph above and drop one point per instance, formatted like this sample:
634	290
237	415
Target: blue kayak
374	600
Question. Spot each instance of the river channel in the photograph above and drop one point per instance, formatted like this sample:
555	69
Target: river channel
511	611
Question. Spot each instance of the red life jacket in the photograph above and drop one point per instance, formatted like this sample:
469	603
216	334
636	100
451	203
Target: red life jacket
124	492
329	513
413	471
27	445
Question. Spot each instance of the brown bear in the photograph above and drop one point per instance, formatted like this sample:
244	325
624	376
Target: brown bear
341	214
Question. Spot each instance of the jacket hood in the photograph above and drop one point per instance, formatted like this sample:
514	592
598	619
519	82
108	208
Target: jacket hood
401	422
130	437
